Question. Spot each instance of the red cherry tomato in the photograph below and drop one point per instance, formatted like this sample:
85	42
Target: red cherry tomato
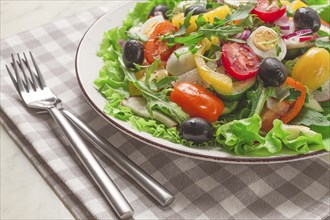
155	48
268	13
197	101
239	60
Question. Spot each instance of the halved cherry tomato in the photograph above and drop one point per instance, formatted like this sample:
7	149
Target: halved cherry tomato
197	101
239	60
156	48
267	12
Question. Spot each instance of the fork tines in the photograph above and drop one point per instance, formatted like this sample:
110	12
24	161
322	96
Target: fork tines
33	82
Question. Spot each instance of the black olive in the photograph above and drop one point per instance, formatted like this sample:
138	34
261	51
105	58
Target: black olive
159	10
197	9
272	72
133	53
306	18
197	130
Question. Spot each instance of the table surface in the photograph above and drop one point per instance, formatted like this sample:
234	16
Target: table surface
24	194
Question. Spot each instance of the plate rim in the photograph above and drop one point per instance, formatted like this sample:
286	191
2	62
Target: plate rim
234	160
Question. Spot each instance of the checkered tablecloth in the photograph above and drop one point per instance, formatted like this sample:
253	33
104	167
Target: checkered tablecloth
203	190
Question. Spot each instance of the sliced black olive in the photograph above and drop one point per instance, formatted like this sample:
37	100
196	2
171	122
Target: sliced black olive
272	72
197	130
197	9
306	18
133	53
159	10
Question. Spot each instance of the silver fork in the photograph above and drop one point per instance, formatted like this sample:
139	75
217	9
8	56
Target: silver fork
37	95
146	181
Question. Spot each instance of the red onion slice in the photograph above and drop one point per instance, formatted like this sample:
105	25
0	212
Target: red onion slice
307	38
243	35
121	42
285	27
298	33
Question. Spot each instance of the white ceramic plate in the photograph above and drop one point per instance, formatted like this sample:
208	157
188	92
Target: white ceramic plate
87	69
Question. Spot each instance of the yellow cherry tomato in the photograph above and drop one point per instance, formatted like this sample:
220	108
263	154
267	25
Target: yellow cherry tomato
221	82
220	12
313	68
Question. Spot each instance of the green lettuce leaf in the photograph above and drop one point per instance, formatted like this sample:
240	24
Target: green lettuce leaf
240	136
157	130
325	132
323	10
142	9
243	137
300	139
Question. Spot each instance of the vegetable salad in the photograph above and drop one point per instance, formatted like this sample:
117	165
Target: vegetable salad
250	78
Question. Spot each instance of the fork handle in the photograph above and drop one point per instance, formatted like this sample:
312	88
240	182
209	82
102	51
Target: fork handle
149	184
96	171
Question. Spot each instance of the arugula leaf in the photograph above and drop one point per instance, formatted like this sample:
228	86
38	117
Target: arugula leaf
220	28
310	117
242	12
293	95
222	32
155	100
323	44
289	64
150	70
322	33
326	108
258	98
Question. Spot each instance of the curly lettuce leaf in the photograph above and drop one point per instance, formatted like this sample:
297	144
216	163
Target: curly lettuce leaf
243	137
300	139
142	9
325	132
240	136
113	79
156	129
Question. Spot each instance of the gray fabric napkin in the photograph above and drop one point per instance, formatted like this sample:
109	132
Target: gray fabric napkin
203	190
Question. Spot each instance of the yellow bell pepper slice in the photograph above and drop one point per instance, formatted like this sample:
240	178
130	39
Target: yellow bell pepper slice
313	68
294	5
133	91
298	4
219	81
220	12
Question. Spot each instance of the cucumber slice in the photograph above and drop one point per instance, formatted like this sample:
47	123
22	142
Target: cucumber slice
229	107
239	88
313	104
295	52
138	105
